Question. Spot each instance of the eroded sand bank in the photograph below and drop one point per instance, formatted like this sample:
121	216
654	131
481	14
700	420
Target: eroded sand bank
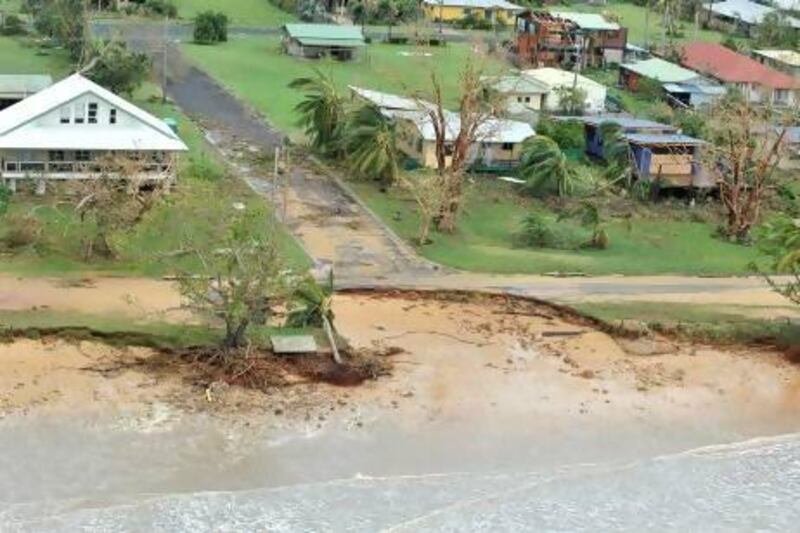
481	362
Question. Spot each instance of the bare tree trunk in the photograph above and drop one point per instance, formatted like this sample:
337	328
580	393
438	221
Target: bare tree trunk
326	325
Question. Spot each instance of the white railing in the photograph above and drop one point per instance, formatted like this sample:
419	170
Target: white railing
48	168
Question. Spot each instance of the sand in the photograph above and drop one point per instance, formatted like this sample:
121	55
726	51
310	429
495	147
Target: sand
461	362
134	297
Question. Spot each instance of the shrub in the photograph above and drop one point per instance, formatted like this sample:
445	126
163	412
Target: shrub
20	231
691	123
13	25
5	199
568	134
163	8
538	230
201	168
210	28
118	69
473	22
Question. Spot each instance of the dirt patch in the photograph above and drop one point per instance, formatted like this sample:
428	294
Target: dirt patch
132	297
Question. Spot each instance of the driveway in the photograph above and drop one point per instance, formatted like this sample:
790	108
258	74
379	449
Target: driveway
330	224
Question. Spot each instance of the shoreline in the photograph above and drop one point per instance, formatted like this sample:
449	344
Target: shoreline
472	359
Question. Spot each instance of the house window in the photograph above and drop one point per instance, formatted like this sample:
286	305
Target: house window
419	145
527	99
56	155
508	147
80	110
66	115
93	113
82	155
112	116
781	96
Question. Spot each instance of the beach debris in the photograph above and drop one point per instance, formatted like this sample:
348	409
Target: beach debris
647	347
293	344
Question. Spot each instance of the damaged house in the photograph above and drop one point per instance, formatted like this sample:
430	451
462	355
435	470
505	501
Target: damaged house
556	39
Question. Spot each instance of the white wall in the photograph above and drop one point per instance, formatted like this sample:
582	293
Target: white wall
595	99
79	108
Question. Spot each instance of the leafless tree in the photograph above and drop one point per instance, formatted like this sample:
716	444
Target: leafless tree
426	190
456	134
747	144
117	192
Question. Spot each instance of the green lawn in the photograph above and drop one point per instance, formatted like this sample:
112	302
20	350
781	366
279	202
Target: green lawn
20	56
493	213
240	12
633	17
259	72
121	330
731	323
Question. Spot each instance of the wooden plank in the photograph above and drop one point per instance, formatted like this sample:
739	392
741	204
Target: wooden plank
293	344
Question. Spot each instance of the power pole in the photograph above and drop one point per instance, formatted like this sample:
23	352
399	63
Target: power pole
164	61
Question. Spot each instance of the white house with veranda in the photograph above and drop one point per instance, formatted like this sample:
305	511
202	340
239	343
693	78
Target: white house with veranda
76	129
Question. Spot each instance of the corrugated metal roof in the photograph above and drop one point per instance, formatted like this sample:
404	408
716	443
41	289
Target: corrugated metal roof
634	48
517	83
726	65
623	121
587	21
389	101
695	88
340	43
23	84
554	78
96	136
660	70
476	4
652	138
787	57
494	130
326	34
746	11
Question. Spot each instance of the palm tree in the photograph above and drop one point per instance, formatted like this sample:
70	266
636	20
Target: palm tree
542	164
371	144
316	309
591	217
322	112
616	154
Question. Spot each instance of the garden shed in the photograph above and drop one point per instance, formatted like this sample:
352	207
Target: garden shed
668	159
313	41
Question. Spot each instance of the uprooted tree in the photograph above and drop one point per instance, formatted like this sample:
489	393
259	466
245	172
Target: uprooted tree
742	157
119	195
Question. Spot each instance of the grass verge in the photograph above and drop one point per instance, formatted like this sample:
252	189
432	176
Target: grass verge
122	331
239	12
705	322
493	212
